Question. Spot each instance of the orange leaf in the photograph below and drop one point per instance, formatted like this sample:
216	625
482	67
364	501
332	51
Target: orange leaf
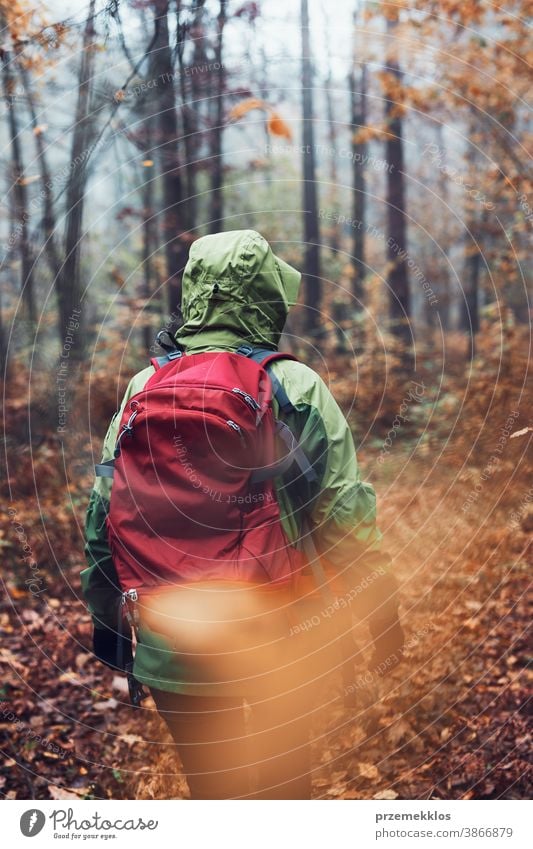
246	106
278	127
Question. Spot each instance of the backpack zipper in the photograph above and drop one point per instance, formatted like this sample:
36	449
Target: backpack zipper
132	615
233	425
248	398
132	595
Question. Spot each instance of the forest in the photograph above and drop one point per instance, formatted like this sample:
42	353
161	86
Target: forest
384	150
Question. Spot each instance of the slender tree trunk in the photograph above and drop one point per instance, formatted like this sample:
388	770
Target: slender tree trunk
358	84
163	71
444	287
264	93
217	163
332	134
68	284
398	281
4	353
310	203
49	217
189	96
21	215
149	242
469	305
475	226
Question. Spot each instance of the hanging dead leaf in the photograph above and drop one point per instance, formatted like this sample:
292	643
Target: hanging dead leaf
241	109
27	181
278	127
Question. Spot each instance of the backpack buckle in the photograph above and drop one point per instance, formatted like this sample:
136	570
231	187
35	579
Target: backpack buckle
246	350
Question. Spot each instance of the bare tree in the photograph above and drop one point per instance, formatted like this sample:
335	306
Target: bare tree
332	131
20	216
310	203
217	164
398	281
49	221
475	223
162	70
68	284
358	113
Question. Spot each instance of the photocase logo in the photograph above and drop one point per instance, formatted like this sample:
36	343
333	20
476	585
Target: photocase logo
32	822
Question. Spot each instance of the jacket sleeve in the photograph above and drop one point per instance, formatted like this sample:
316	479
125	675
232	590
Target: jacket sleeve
99	582
339	506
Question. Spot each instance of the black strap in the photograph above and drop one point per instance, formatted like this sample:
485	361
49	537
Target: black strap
295	452
354	696
259	355
167	358
164	345
105	470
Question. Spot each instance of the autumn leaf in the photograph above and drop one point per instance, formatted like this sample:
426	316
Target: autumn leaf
385	795
368	770
241	109
278	127
62	792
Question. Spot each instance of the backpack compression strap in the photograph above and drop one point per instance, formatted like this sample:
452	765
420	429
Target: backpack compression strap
295	453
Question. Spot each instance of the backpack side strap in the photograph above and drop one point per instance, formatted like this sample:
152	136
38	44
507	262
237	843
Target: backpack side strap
265	357
295	453
105	470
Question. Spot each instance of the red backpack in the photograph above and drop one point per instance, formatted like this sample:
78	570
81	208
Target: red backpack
193	497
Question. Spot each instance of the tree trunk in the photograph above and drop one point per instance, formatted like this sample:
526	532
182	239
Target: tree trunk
167	121
68	283
217	163
398	282
310	204
4	353
49	218
332	135
149	243
359	150
475	225
469	305
21	216
190	95
443	311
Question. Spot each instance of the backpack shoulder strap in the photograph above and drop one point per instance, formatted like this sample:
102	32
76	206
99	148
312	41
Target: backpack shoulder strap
265	357
295	454
159	362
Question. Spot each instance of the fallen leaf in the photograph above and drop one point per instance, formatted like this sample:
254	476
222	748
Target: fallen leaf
368	771
110	704
386	794
61	792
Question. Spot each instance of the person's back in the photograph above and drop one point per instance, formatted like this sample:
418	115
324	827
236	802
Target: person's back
209	640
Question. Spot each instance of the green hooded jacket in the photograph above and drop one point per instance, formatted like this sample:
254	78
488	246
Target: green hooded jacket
236	291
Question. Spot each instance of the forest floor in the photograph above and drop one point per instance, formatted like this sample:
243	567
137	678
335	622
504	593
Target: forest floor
453	720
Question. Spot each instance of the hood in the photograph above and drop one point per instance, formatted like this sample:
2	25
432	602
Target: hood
235	290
